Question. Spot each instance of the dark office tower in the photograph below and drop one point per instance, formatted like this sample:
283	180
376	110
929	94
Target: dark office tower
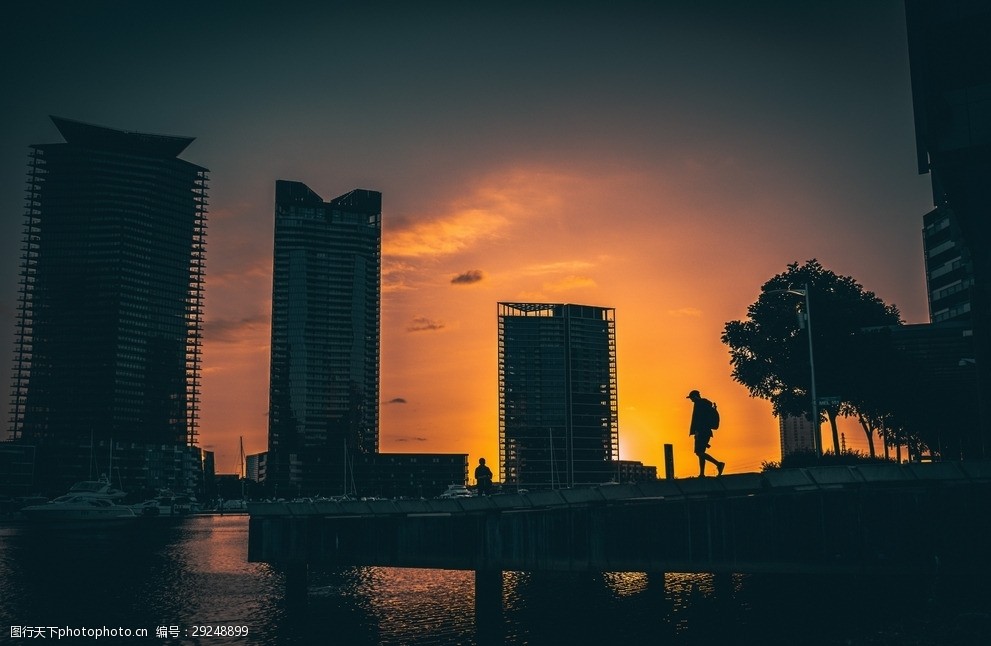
558	415
950	56
107	345
323	398
949	268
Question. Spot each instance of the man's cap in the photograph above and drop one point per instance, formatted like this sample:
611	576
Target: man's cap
693	394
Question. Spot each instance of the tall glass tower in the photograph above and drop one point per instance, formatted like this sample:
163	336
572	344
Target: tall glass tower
324	381
949	51
558	411
107	344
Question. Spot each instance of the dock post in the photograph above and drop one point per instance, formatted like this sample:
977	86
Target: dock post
669	461
488	606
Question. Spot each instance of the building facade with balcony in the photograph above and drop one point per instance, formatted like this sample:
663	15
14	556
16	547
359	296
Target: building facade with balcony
107	341
558	410
324	379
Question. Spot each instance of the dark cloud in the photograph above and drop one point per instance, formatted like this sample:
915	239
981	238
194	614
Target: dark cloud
227	330
396	400
423	324
468	277
409	439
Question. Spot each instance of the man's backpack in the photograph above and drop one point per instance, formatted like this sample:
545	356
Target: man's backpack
713	422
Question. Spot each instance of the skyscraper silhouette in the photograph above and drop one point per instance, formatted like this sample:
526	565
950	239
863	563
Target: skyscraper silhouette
558	411
324	381
107	345
949	50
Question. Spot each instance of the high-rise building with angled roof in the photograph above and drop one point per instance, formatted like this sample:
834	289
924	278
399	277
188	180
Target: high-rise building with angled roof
107	343
324	381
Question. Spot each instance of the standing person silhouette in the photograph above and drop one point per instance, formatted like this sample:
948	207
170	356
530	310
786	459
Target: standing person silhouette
483	478
701	427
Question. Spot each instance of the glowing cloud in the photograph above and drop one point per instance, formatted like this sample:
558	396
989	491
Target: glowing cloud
424	324
493	205
447	235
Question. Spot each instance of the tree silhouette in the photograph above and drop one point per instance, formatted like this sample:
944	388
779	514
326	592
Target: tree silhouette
878	383
769	351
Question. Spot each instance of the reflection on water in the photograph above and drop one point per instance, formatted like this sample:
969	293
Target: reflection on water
432	606
626	584
195	573
144	576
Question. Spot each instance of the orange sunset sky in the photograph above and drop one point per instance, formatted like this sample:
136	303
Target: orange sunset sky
664	159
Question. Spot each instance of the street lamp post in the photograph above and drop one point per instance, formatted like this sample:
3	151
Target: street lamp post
816	437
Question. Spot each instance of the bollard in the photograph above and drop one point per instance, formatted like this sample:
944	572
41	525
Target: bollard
669	462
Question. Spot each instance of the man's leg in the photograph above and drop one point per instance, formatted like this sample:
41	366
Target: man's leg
719	465
703	457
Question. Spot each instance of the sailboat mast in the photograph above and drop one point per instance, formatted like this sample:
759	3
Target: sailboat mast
241	466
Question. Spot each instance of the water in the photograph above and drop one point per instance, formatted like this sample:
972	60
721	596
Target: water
173	579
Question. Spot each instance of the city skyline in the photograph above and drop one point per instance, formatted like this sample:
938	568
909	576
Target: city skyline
665	160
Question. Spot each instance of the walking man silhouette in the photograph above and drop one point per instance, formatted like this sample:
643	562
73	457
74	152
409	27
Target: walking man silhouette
703	421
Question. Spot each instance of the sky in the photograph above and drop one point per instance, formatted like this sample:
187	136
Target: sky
661	158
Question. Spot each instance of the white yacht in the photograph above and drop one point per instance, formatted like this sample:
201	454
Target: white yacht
78	507
100	488
88	500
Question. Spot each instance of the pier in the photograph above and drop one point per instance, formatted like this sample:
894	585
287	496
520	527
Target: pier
881	518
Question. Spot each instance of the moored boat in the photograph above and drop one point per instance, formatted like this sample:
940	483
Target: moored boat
88	501
167	504
100	488
72	508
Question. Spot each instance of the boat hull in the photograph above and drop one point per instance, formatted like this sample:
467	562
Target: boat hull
78	510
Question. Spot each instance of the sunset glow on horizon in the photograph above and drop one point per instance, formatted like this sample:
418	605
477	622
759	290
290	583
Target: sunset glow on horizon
665	168
516	234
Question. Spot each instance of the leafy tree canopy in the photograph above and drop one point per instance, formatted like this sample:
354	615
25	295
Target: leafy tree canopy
769	350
